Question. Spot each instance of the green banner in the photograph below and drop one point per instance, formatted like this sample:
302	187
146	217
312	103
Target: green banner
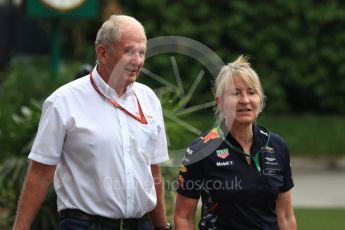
62	9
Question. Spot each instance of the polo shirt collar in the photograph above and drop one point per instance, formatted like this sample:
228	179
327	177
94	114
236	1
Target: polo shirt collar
258	140
106	89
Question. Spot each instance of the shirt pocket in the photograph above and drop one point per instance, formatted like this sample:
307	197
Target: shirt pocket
146	136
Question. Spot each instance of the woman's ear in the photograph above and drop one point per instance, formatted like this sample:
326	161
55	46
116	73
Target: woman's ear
219	103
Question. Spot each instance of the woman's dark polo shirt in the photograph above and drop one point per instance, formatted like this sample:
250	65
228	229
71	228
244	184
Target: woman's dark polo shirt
236	195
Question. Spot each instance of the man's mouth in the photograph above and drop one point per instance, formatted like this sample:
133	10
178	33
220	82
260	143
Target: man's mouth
132	70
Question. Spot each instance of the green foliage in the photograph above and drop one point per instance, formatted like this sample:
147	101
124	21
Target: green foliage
12	174
24	87
17	129
170	186
295	45
308	134
319	219
77	40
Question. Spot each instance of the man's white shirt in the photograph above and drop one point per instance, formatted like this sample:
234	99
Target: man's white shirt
103	155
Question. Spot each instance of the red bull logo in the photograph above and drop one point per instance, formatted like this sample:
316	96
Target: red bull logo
213	134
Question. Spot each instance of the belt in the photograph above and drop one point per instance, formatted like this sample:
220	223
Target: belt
80	215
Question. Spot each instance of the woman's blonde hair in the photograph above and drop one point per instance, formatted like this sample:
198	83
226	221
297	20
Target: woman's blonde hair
240	68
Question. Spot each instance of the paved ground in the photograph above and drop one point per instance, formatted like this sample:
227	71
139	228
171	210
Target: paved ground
319	183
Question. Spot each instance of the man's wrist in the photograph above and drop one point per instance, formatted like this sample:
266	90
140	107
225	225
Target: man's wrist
167	226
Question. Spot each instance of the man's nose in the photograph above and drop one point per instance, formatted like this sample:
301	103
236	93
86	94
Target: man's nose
137	58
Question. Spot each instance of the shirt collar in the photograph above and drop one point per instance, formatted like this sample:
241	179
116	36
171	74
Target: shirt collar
106	89
258	138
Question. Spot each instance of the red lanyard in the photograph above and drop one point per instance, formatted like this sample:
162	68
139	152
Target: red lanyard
141	119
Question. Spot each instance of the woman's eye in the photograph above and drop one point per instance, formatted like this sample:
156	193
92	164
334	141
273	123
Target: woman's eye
252	92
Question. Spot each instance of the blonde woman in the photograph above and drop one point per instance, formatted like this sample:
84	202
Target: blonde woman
240	170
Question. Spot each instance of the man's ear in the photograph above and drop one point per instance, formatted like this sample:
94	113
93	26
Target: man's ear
101	53
219	103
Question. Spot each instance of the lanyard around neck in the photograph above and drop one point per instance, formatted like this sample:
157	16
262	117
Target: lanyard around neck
140	118
255	156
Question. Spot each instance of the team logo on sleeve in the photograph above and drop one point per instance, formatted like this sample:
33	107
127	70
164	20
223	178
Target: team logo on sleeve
265	133
189	151
222	153
185	160
268	149
213	134
270	161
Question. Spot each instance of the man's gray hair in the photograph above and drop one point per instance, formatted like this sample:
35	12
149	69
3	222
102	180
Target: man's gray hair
110	30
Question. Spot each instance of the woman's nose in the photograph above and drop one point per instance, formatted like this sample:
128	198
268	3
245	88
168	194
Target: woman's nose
244	98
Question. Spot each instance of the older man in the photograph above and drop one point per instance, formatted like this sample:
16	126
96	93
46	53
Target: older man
103	136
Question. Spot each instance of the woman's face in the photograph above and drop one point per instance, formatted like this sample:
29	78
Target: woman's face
240	103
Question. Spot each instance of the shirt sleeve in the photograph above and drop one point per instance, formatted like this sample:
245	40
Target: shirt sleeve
287	175
47	146
190	179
